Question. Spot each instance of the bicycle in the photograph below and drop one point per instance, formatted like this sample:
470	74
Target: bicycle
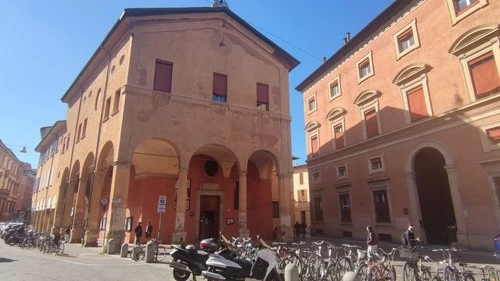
413	269
160	251
137	253
351	261
379	267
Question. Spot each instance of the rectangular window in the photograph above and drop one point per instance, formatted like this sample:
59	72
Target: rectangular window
334	89
116	103
345	208
406	40
484	74
371	124
67	143
338	131
311	104
78	136
381	204
364	68
314	146
236	194
302	195
163	76
318	209
84	130
219	87
107	108
276	209
263	96
416	103
342	171
462	5
376	164
316	177
493	135
301	178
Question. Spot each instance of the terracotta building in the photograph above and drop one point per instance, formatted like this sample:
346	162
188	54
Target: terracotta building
301	195
16	183
403	125
182	118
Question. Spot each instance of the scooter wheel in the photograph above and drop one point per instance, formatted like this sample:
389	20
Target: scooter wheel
181	275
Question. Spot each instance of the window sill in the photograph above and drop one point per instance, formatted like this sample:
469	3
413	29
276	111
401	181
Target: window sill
335	97
361	80
400	55
114	112
105	119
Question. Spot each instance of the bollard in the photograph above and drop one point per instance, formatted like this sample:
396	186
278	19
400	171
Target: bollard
150	251
135	252
291	272
124	250
111	246
350	276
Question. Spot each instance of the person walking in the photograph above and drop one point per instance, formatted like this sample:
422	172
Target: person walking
138	233
408	237
372	242
149	231
67	233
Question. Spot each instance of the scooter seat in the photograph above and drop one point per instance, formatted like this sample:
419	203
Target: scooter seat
245	264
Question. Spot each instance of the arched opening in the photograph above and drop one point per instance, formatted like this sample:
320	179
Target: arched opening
436	205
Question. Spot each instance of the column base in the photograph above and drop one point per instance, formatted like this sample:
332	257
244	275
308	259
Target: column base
76	236
179	237
90	238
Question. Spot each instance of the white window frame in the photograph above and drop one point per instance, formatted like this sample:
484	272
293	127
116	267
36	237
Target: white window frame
336	80
314	96
413	26
370	168
368	56
405	88
487	145
339	176
456	16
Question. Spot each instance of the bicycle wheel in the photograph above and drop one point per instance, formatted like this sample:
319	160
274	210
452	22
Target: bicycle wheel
293	259
343	265
409	272
314	268
373	274
389	273
60	249
450	274
160	253
426	275
362	271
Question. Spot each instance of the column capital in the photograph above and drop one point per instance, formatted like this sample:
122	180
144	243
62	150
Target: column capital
183	169
243	173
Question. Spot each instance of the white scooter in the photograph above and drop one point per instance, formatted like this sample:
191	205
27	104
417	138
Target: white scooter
263	268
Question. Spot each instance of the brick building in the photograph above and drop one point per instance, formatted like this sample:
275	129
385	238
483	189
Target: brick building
403	125
301	195
179	109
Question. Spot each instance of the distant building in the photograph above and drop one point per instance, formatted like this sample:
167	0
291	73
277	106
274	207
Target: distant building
403	125
301	195
182	118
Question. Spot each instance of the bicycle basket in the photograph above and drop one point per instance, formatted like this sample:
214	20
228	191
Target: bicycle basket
408	254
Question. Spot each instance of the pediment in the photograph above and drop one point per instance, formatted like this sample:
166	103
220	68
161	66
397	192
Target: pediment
366	96
311	126
335	113
474	37
410	72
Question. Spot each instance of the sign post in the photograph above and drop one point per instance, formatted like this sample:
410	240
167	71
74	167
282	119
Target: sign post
162	205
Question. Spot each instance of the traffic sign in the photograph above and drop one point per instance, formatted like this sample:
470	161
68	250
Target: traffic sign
162	203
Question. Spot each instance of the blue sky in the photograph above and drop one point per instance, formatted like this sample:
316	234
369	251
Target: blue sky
45	44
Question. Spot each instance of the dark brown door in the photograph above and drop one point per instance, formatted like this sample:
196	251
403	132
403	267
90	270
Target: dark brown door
209	216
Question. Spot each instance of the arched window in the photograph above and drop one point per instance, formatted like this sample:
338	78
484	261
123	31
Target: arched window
367	101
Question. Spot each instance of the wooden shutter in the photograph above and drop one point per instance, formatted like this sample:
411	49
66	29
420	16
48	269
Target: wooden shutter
416	103
371	123
484	74
405	35
220	85
301	178
262	93
339	136
314	145
163	76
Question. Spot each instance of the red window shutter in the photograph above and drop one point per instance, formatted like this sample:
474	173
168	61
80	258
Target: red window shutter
301	178
262	93
364	64
484	74
163	76
371	123
314	145
494	134
416	103
339	136
405	35
220	84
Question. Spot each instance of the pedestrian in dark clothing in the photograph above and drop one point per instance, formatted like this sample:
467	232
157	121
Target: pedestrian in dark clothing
303	228
297	227
149	231
408	237
138	233
371	241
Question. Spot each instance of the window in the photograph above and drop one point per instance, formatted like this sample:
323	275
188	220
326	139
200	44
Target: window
342	171
365	67
345	208
276	209
318	209
376	164
84	130
334	90
67	143
107	108
314	145
416	103
336	118
97	96
236	193
316	177
490	137
371	123
406	39
163	76
338	134
484	74
219	87
79	133
311	104
263	96
493	135
479	53
460	9
301	178
381	204
302	195
116	103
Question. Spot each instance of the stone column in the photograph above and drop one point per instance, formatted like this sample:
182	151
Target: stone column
284	204
460	213
78	223
115	229
58	216
414	203
92	224
242	208
179	233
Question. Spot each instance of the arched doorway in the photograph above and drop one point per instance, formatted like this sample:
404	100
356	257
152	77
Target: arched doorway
436	205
